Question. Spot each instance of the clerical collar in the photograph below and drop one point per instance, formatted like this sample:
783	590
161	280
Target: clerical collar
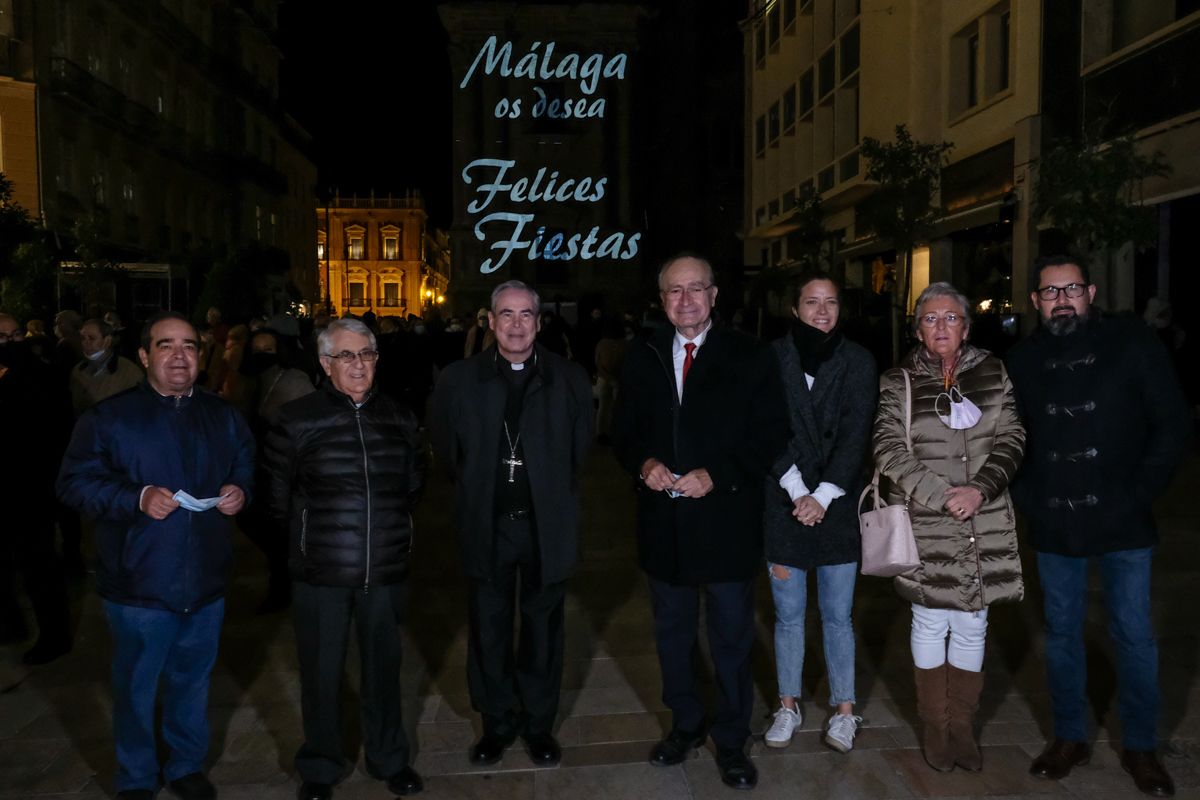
516	366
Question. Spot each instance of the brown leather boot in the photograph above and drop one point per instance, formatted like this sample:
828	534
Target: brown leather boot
932	708
964	688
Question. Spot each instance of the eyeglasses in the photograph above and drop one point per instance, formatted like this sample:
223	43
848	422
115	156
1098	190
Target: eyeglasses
1071	289
952	320
346	357
693	291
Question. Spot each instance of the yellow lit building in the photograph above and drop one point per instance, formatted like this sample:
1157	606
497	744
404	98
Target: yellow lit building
376	254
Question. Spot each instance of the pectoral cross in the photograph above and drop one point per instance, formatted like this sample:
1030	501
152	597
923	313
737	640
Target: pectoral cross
512	463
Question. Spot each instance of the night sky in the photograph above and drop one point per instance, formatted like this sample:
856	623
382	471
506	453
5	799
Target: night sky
371	83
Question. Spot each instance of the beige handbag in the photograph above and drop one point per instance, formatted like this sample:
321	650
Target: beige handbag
888	545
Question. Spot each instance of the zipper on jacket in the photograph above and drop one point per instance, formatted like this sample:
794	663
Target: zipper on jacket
974	534
366	477
304	532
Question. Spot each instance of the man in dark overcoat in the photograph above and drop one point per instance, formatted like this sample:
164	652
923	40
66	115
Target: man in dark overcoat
1107	423
699	422
513	424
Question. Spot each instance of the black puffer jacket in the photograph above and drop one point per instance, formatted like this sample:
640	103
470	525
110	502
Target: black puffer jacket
343	480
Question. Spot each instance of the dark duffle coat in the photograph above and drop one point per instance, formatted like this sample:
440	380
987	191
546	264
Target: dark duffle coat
965	564
831	433
556	432
732	422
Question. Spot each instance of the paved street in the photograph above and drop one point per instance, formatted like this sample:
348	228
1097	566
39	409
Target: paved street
54	720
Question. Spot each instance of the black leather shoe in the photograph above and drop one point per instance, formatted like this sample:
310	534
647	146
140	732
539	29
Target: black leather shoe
490	748
195	786
406	781
311	790
543	749
737	770
1056	761
675	747
1148	773
135	794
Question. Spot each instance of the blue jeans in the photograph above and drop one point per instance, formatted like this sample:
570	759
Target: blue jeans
1126	579
152	646
835	596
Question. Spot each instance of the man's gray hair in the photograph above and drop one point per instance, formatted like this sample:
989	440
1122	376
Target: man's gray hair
670	262
520	286
350	325
941	289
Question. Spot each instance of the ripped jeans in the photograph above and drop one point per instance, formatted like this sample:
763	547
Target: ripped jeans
835	598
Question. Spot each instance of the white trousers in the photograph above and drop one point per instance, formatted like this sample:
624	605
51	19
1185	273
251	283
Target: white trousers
967	630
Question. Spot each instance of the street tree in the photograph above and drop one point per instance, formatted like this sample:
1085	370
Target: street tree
904	205
26	269
1091	191
810	247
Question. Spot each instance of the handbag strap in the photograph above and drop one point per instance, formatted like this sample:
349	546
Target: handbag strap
873	486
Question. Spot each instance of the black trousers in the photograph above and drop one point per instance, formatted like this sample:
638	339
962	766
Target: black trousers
27	550
516	692
322	618
729	611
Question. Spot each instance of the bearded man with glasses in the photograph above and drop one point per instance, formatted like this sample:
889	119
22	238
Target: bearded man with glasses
1107	424
345	471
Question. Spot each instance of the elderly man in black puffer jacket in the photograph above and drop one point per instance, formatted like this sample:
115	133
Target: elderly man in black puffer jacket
345	471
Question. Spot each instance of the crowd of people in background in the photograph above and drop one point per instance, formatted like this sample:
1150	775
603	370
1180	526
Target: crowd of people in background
756	464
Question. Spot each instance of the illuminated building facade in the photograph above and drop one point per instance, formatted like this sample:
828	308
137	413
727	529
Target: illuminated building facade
377	254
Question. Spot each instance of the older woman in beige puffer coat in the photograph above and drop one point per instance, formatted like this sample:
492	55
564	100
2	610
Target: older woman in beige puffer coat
966	445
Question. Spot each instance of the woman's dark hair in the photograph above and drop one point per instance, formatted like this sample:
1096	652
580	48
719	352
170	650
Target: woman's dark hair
808	276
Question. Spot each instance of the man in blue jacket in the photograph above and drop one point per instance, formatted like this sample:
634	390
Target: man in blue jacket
161	468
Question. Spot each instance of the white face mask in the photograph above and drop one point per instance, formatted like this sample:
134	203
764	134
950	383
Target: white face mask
963	413
97	356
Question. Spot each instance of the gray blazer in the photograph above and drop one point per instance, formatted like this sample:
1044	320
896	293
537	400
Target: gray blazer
831	431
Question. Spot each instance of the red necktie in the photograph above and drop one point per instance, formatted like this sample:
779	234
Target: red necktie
690	347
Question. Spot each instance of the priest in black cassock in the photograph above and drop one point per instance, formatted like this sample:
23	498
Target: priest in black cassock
513	424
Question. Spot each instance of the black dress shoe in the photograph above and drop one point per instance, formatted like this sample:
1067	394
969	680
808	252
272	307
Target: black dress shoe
135	794
675	747
195	786
311	790
1056	761
1148	773
490	748
737	770
543	749
406	781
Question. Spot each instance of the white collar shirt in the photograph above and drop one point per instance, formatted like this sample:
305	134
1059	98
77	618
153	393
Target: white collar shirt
679	353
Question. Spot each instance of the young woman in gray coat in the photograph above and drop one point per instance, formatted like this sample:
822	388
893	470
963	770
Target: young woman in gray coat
811	522
966	445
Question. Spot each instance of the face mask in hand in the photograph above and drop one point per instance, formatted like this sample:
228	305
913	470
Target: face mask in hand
963	413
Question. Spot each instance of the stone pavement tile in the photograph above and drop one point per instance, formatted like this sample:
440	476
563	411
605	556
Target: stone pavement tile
629	781
807	775
252	757
1005	771
48	768
282	790
617	700
445	737
508	786
606	728
1015	733
19	707
610	753
453	707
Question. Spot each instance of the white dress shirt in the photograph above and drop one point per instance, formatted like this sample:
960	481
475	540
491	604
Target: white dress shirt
678	354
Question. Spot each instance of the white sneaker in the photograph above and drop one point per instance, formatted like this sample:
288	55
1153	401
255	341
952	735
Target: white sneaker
785	724
841	730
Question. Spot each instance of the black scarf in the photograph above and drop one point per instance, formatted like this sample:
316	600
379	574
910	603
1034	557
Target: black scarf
814	345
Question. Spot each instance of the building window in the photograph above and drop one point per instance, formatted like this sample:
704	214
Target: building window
100	183
258	220
826	76
850	47
973	70
789	110
789	16
773	124
274	221
391	295
760	45
773	28
1005	44
391	247
358	293
806	92
320	251
760	136
355	250
129	188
